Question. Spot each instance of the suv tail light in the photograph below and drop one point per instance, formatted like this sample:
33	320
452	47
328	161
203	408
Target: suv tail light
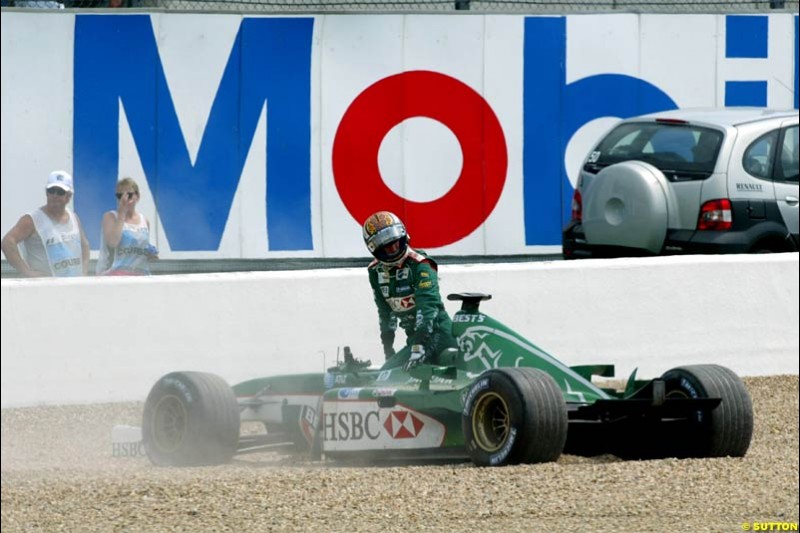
715	215
577	206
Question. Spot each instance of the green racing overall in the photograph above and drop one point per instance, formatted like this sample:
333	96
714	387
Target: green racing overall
408	294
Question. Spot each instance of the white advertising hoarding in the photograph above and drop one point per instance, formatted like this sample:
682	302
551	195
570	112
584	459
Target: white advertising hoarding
266	137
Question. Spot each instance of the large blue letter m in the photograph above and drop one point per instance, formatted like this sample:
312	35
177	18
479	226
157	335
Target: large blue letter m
117	60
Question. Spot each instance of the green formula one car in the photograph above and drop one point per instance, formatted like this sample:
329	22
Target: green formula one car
497	400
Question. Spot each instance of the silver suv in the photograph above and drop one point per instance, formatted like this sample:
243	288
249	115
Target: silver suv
689	181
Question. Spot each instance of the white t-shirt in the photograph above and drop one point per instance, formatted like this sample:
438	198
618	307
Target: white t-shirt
54	247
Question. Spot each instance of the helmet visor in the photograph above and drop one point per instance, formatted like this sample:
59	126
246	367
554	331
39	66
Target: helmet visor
385	236
392	251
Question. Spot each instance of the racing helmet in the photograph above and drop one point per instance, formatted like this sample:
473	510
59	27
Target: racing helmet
386	237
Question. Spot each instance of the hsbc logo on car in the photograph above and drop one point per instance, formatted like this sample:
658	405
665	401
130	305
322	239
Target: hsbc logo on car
357	426
350	426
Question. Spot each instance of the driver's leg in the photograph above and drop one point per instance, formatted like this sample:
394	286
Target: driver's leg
399	359
445	340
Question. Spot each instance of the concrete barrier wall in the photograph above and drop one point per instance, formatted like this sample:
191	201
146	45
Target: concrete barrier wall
108	339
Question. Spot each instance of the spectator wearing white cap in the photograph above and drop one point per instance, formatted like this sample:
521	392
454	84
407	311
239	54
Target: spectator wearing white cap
52	239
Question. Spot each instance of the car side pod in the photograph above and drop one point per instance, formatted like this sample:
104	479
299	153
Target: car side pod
512	416
425	373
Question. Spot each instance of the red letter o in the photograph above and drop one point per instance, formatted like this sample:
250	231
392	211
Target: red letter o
392	100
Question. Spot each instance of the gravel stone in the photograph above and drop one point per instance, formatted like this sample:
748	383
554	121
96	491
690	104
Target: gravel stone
58	474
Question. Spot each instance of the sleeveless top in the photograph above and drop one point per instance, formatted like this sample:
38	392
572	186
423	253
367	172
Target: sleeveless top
54	247
129	257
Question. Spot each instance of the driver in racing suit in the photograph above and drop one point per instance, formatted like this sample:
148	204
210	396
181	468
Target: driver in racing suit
406	289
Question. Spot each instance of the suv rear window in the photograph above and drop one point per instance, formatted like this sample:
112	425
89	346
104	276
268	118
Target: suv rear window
680	151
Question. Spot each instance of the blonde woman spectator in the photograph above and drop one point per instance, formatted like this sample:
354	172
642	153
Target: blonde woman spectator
125	248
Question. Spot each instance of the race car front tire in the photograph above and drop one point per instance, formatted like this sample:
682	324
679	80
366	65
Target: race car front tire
190	419
512	416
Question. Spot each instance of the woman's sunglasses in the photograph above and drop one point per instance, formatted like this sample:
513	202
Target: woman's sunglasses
58	191
119	195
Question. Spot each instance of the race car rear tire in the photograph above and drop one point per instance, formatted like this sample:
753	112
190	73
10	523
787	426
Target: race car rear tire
724	432
512	416
190	419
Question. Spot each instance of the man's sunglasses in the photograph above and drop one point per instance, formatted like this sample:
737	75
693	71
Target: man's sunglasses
119	195
58	191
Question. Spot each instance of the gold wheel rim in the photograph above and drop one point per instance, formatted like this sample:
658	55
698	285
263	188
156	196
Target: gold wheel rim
491	422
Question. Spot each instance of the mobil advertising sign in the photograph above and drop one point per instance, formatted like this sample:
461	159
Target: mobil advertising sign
258	137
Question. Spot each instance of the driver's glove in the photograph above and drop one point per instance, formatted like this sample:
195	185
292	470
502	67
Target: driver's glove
417	356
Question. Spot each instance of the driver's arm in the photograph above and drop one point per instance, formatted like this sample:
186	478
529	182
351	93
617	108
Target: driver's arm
386	318
427	299
21	231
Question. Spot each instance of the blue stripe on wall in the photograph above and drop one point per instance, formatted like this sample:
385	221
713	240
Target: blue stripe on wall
746	93
543	86
746	36
796	62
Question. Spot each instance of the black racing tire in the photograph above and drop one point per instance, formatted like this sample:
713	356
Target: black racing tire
190	419
724	432
512	416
